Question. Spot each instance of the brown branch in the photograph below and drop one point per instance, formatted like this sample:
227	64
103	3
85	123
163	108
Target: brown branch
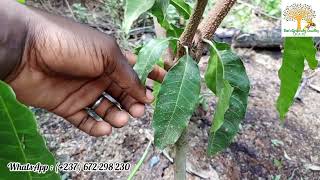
191	29
209	25
168	56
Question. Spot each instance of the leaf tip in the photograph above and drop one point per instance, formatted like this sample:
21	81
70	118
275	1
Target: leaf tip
281	110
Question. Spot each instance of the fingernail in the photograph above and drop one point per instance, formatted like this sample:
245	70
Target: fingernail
149	95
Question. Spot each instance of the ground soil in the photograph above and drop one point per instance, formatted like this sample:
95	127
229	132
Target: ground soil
263	149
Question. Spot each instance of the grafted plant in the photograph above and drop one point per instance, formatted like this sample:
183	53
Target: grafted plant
177	96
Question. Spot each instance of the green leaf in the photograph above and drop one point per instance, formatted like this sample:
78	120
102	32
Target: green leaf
156	90
177	99
138	49
159	10
140	162
182	7
22	1
296	50
224	96
20	140
227	78
148	56
214	75
133	9
156	85
216	82
174	31
222	46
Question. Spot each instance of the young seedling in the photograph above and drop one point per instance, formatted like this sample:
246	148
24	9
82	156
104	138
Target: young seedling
178	95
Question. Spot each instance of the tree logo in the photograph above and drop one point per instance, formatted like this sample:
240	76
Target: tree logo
299	19
299	12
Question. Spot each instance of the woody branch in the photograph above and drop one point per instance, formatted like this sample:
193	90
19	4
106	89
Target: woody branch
196	31
191	29
210	24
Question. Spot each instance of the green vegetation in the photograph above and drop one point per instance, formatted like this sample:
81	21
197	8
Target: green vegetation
20	140
178	95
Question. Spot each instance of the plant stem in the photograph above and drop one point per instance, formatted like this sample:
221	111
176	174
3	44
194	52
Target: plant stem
181	147
139	164
191	29
206	31
209	25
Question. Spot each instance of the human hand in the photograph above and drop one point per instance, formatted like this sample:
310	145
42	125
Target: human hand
66	67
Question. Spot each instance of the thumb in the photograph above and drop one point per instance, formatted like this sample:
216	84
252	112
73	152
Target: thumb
127	79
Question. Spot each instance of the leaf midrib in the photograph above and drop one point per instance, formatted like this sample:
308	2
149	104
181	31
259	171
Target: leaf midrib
179	92
15	132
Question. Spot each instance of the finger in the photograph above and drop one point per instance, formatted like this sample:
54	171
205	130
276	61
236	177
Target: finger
111	114
132	58
157	74
130	104
135	108
82	97
89	125
125	77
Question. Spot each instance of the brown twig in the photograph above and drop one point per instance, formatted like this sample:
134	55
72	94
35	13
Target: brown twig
168	56
209	25
191	29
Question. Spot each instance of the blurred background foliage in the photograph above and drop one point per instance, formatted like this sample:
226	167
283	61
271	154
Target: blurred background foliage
242	12
107	16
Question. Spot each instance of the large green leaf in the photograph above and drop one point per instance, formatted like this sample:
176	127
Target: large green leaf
182	7
148	56
159	9
296	50
20	140
173	32
225	80
177	99
133	9
216	82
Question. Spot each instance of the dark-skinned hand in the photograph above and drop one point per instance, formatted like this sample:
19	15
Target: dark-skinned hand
65	67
